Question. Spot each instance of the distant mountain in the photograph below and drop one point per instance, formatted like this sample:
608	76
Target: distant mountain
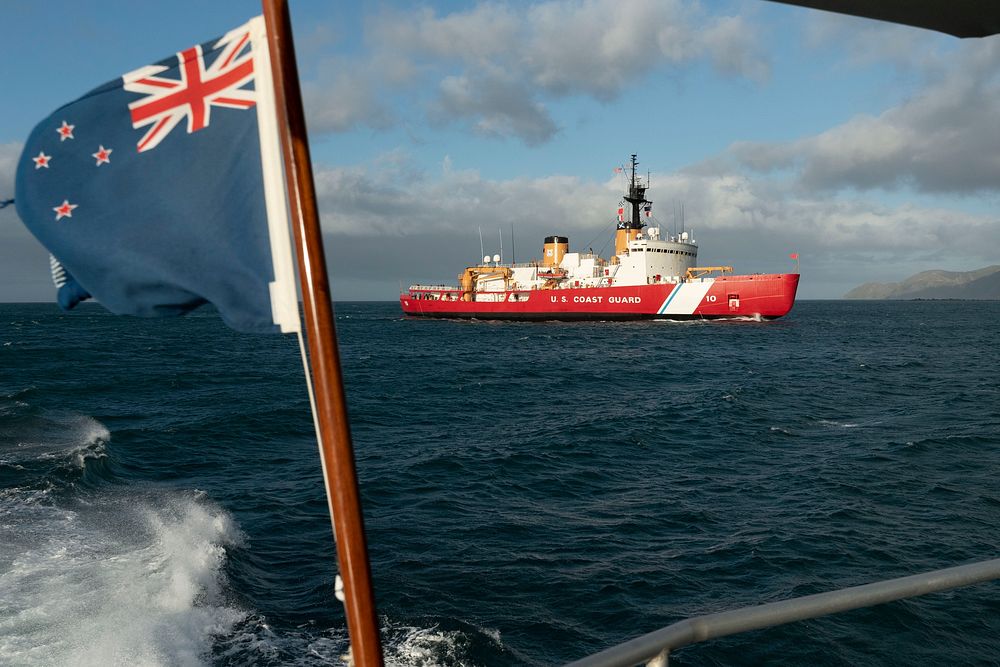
980	284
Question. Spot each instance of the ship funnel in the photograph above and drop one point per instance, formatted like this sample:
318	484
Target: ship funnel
622	238
554	249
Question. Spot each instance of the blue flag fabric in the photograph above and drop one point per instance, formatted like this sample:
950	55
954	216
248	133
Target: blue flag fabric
150	190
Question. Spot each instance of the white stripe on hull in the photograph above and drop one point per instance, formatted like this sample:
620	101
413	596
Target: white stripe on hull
685	298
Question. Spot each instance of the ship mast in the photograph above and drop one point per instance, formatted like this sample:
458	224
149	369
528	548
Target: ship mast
636	196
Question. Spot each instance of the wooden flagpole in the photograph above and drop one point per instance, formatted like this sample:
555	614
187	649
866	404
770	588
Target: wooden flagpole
331	406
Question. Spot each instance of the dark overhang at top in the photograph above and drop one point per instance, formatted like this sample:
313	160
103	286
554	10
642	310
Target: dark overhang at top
961	18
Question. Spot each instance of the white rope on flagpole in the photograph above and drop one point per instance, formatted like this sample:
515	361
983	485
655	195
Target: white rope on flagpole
338	584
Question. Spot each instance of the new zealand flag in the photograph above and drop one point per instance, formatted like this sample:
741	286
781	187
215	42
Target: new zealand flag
162	190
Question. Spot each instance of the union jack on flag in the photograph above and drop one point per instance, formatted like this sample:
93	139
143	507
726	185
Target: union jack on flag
168	101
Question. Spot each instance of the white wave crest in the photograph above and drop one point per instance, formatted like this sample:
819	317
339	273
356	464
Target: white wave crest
94	435
835	424
427	647
54	434
92	431
124	581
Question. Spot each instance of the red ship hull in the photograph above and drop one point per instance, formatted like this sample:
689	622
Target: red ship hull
763	296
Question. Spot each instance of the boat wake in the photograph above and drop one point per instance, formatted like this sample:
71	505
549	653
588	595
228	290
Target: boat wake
93	573
123	578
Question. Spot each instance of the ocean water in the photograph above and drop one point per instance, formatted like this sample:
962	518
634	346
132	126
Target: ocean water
533	492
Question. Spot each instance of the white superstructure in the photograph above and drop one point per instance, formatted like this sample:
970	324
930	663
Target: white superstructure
647	259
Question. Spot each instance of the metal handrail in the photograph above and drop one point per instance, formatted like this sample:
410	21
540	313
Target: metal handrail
654	648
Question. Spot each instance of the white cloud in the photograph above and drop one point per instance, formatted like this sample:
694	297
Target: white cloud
354	203
864	41
342	98
732	46
598	47
944	139
767	217
480	34
497	67
732	201
496	106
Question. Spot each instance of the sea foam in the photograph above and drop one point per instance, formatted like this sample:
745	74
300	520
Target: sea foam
128	579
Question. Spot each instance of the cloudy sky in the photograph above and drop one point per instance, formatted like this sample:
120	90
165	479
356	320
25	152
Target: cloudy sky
872	150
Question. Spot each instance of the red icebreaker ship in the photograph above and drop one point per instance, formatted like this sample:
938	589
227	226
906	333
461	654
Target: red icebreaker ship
649	277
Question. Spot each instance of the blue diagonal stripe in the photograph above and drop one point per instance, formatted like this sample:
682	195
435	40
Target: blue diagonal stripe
673	293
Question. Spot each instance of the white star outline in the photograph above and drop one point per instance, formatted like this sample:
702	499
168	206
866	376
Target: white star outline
65	131
103	155
64	210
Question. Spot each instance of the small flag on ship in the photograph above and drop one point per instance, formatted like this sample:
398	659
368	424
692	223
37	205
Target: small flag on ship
648	210
621	214
162	190
794	255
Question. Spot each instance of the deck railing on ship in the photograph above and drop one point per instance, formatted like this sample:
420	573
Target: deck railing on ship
433	288
654	648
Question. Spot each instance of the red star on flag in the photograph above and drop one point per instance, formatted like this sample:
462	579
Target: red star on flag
42	160
65	132
64	210
103	156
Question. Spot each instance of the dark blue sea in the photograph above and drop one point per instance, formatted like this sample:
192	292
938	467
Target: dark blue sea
533	492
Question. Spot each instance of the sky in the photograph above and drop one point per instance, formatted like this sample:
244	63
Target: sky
871	150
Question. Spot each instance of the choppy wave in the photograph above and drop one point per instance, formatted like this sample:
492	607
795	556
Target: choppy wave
27	433
101	575
120	578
